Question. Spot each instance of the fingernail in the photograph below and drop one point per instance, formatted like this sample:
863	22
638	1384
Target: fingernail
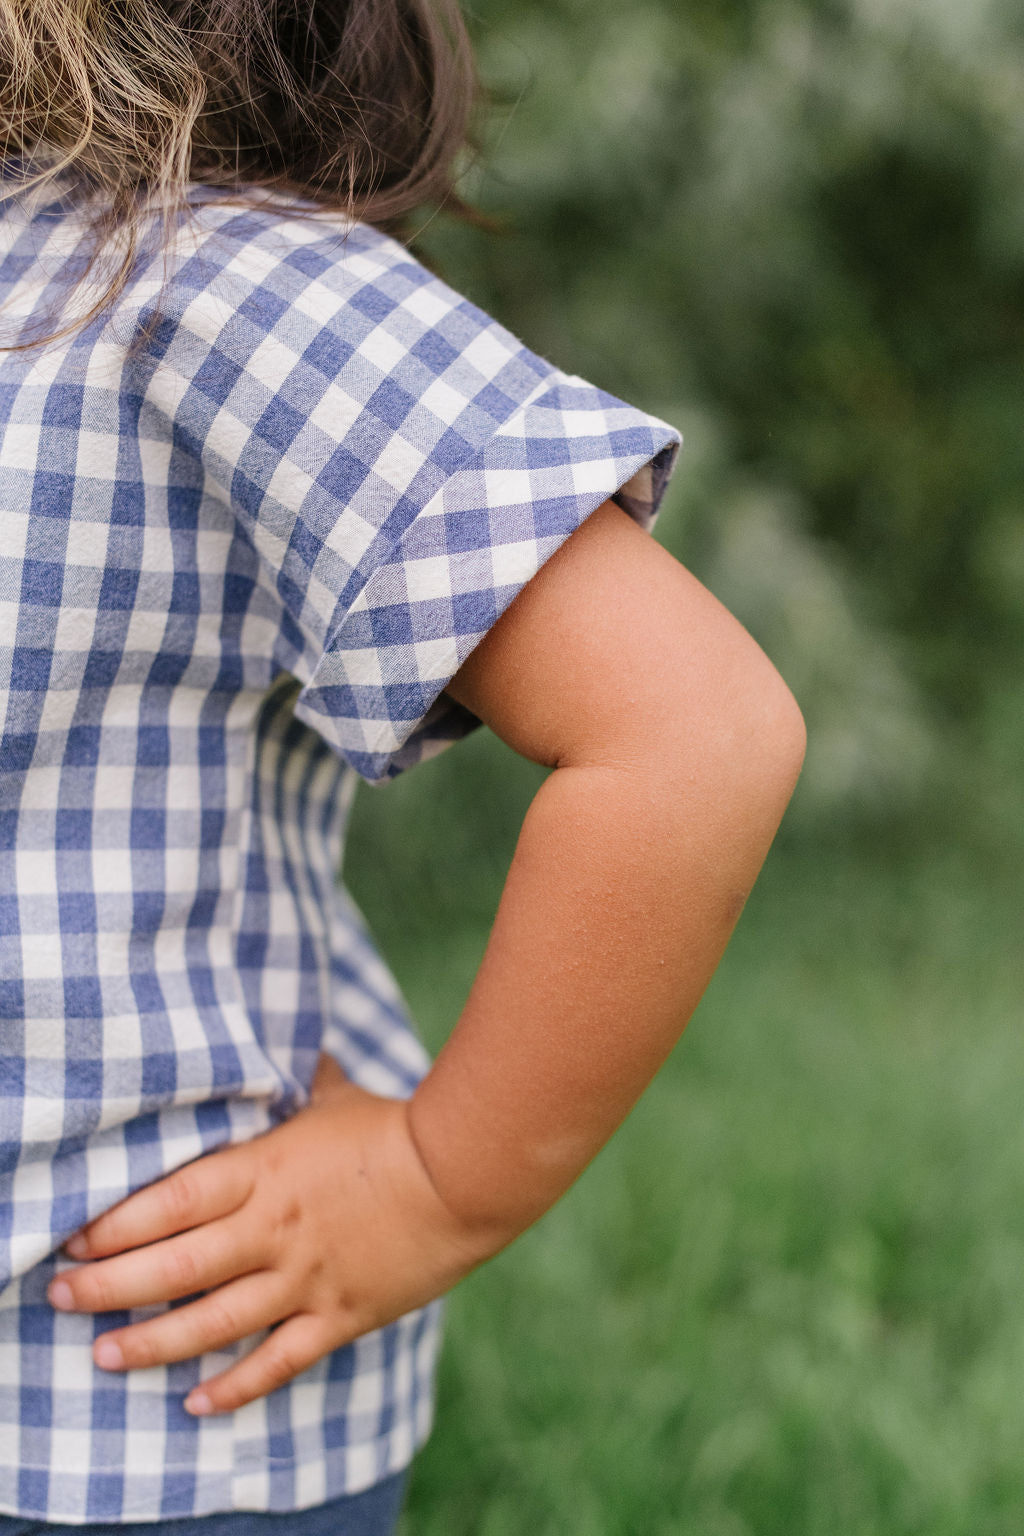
198	1403
108	1355
61	1296
77	1246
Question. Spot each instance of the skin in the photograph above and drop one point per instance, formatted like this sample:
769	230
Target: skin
675	747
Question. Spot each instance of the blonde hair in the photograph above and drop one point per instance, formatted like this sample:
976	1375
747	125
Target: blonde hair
358	106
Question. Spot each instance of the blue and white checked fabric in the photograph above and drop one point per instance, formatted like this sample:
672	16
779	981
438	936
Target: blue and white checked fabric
237	569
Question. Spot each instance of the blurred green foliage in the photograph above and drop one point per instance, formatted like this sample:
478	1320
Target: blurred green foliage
786	1300
796	229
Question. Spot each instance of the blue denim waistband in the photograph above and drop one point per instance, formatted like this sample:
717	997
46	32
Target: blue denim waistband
372	1513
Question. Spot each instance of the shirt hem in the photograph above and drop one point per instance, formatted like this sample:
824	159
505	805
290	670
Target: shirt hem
219	1493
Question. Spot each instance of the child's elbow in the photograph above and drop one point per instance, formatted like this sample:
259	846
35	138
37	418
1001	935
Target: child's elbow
762	743
783	733
738	746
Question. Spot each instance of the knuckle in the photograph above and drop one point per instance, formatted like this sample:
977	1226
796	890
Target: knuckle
230	1395
221	1325
283	1363
95	1293
181	1269
345	1305
283	1226
179	1196
141	1350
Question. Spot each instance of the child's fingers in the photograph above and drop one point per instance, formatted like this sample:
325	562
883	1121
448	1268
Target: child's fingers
201	1191
293	1346
230	1313
192	1261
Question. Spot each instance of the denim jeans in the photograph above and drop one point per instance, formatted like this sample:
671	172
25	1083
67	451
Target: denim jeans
373	1513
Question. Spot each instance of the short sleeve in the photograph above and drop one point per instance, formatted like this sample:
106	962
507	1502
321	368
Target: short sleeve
401	464
377	691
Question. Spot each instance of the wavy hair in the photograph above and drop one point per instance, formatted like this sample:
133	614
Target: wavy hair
359	106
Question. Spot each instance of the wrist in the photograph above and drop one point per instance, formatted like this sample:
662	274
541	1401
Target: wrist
479	1214
492	1189
376	1132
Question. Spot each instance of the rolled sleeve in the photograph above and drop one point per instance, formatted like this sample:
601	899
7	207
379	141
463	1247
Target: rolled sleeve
377	691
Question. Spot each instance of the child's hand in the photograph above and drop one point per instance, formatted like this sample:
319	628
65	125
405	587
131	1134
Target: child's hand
327	1225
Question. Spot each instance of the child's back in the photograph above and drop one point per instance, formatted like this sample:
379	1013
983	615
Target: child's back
238	569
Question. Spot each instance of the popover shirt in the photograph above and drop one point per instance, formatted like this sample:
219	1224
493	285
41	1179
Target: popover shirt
239	561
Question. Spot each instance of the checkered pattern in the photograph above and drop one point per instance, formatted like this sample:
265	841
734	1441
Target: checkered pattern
237	570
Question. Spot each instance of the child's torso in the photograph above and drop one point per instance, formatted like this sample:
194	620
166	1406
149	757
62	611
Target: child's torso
174	948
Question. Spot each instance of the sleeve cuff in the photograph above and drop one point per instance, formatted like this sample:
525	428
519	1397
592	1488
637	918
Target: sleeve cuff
377	691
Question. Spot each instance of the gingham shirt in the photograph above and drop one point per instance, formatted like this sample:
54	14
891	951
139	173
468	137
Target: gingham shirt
236	572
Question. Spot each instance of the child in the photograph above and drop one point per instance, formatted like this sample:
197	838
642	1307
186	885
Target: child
281	510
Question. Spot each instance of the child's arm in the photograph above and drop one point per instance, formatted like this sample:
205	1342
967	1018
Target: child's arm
675	747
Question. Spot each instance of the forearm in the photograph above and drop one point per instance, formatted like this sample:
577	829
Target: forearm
624	888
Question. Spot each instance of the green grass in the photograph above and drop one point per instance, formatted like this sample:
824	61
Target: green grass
787	1299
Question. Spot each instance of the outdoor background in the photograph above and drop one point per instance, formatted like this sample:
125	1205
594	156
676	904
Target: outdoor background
788	1299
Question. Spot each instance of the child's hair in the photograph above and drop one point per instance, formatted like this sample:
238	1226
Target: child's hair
359	105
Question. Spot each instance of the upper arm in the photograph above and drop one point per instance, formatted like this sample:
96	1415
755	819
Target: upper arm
613	651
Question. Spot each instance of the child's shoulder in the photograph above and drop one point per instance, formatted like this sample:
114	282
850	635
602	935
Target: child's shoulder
258	221
308	256
340	294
